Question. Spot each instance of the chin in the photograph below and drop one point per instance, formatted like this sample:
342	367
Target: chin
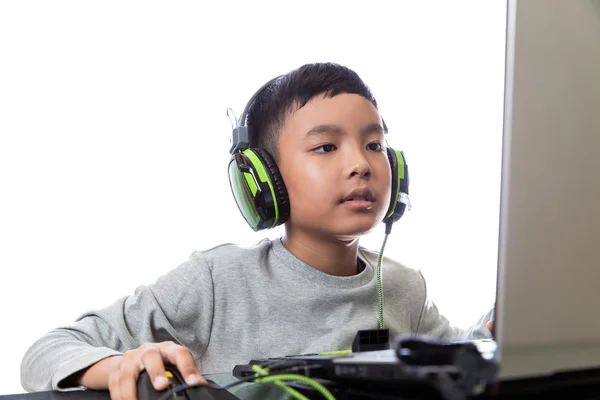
357	227
346	227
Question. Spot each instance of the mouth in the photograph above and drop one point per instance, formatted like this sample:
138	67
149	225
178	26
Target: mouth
361	198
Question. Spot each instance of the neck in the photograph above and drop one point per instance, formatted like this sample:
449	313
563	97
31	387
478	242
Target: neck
329	255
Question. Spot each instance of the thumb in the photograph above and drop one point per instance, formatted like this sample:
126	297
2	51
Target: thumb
490	325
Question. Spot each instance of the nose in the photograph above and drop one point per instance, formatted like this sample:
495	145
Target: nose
358	166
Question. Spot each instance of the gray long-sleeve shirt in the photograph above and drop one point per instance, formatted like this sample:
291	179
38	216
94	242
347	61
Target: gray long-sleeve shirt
230	304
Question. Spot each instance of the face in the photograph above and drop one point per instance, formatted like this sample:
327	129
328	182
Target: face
334	164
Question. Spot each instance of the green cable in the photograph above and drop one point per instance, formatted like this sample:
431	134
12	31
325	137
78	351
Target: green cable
262	377
297	378
291	391
380	285
335	352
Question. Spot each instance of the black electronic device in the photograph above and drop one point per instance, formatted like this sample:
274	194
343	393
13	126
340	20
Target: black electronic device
450	369
174	391
146	391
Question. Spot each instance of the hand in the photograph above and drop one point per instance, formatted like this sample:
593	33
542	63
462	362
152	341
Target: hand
122	372
122	380
490	326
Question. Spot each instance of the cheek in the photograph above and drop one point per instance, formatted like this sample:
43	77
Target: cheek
384	185
310	185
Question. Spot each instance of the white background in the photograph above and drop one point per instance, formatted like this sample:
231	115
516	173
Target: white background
114	139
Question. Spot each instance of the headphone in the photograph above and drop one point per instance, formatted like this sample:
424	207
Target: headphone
260	192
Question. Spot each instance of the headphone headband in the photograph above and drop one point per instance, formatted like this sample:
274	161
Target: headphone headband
240	137
244	116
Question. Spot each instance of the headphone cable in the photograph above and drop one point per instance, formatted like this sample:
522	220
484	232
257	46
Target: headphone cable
388	229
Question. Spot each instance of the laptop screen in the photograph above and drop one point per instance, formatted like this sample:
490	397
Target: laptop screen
549	245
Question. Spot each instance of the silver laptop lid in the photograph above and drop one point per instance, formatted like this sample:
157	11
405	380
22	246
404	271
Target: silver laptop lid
549	246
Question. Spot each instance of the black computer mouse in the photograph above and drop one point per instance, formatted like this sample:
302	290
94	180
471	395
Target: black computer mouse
146	391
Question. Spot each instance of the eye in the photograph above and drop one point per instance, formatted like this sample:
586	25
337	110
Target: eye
375	146
327	148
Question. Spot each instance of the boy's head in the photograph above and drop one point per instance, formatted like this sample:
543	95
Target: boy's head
321	125
292	91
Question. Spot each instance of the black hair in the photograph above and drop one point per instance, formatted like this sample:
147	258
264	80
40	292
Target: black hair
268	111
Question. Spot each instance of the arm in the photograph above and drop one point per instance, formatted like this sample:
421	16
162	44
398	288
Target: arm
177	307
432	323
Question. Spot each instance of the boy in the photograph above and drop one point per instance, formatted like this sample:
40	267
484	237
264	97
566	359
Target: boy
307	292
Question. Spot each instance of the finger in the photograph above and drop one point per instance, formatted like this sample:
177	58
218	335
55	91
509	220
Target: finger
490	325
182	358
113	384
131	367
152	360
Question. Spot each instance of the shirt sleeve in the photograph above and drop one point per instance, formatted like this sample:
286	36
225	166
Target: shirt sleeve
178	306
432	323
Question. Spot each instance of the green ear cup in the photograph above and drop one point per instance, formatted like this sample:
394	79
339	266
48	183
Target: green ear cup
258	189
399	185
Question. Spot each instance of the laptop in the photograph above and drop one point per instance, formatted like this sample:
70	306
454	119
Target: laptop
549	242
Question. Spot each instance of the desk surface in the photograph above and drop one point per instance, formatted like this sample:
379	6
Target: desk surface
243	391
583	390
